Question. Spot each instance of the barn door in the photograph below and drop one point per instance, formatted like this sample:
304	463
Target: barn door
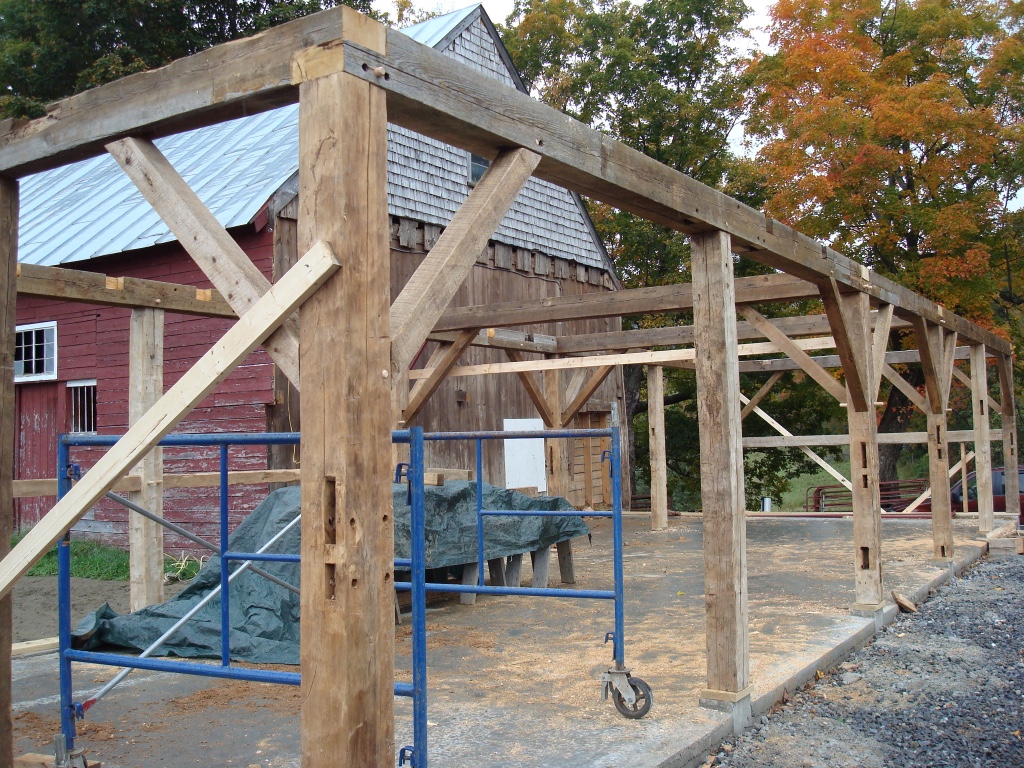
35	453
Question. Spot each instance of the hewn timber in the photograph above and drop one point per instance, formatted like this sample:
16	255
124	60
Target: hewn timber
721	467
347	628
444	269
451	102
656	445
211	369
441	361
227	266
904	356
760	395
102	290
632	301
1004	364
145	387
901	438
8	318
980	402
24	489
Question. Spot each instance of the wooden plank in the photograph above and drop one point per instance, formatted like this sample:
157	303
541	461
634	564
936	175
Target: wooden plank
238	78
443	360
432	287
656	445
643	338
585	392
145	388
980	403
347	531
211	369
1004	364
132	483
836	308
92	288
760	395
904	356
451	102
533	389
633	301
598	361
211	247
795	353
28	647
803	448
721	464
884	438
862	425
903	386
34	760
9	205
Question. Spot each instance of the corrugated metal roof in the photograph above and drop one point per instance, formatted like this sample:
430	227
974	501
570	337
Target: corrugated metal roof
91	209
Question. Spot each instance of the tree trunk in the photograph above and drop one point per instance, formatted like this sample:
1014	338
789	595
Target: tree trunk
896	418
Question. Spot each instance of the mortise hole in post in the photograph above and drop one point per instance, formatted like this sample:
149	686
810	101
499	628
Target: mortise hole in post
387	577
386	518
352	522
864	455
864	480
330	503
943	551
940	454
330	594
865	558
355	583
981	406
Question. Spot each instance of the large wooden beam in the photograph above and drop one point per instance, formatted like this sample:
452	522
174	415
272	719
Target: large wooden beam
836	306
229	267
239	78
8	319
795	353
451	102
643	338
1004	364
347	628
444	269
902	356
982	440
145	388
211	369
632	301
890	438
723	498
103	290
656	446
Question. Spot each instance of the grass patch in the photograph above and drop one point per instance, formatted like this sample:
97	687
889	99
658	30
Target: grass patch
89	560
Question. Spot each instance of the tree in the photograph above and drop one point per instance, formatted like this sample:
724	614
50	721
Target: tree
894	131
50	49
664	78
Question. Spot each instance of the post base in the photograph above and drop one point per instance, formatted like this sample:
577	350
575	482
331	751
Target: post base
870	611
735	703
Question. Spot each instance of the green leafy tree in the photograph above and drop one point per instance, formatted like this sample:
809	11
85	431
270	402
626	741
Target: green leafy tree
664	78
895	131
50	49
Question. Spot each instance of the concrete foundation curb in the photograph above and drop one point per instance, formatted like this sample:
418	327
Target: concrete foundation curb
695	753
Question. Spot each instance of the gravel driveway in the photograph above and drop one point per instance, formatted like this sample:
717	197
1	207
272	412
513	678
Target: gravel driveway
942	687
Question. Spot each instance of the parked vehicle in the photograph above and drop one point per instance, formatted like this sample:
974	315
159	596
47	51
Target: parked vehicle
956	493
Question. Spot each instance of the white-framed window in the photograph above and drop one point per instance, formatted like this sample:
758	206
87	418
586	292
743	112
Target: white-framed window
35	352
477	166
82	405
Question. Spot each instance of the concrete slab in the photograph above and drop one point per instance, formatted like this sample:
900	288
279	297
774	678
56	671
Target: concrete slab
515	681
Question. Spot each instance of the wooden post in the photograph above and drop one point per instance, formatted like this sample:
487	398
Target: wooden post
556	449
982	440
145	387
347	628
863	427
656	441
1011	480
721	473
937	365
8	295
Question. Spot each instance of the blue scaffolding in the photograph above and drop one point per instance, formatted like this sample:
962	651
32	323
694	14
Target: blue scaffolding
632	696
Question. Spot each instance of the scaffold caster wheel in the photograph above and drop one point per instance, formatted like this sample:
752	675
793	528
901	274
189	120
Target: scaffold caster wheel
643	698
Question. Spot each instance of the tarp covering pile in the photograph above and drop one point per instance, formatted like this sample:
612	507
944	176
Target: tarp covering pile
265	616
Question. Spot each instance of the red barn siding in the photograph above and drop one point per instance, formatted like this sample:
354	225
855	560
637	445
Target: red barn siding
92	343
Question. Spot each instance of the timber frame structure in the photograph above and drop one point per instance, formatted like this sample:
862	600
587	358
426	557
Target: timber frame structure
351	76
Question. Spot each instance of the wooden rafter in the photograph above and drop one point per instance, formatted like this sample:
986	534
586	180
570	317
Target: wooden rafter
441	361
227	266
795	353
102	290
443	271
211	369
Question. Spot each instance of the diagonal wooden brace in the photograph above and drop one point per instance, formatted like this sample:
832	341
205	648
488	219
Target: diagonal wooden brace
207	242
842	329
548	413
211	369
431	288
442	361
